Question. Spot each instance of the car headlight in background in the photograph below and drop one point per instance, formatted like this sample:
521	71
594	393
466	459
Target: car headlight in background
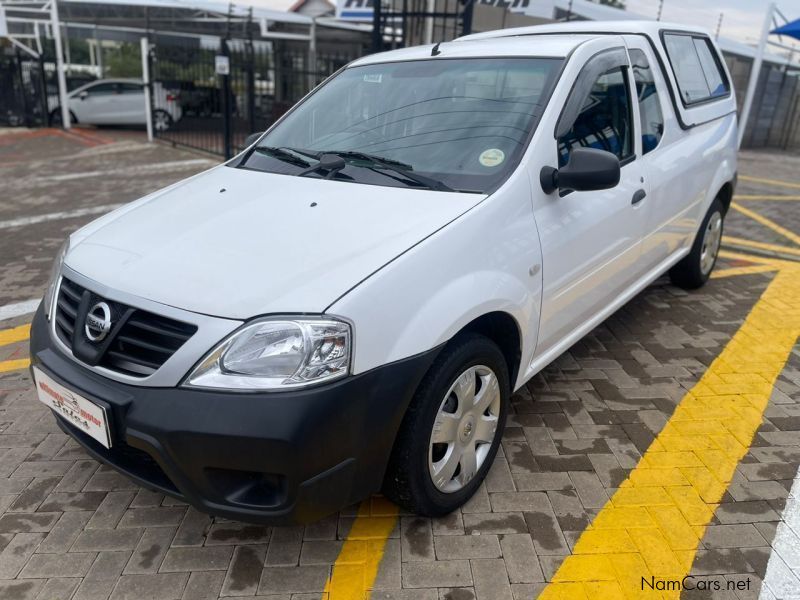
277	353
52	283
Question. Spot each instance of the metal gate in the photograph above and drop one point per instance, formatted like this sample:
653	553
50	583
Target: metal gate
23	92
403	23
195	105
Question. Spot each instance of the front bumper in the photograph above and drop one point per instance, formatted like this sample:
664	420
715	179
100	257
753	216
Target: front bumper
281	457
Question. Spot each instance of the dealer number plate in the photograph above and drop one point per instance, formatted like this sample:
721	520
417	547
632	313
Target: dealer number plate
77	410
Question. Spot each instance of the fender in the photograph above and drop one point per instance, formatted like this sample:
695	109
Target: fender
487	260
725	169
457	299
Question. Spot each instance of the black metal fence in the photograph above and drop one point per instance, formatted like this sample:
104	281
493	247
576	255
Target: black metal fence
23	92
193	105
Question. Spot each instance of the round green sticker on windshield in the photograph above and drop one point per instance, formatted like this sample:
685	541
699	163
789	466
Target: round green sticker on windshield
492	157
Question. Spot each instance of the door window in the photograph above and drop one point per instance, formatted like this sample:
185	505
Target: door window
102	89
130	88
605	120
650	116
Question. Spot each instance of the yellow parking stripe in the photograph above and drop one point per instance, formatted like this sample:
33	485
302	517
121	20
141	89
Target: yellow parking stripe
652	525
777	182
770	197
17	334
757	259
789	235
737	241
733	271
356	567
14	365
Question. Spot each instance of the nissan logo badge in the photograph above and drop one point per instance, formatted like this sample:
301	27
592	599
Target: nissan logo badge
98	322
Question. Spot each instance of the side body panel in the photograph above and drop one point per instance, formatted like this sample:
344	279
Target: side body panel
130	108
96	108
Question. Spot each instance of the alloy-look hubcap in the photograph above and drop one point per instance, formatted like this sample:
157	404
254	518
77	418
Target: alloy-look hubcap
161	122
712	237
465	428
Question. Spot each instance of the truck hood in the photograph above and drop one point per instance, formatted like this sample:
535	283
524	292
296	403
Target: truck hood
235	243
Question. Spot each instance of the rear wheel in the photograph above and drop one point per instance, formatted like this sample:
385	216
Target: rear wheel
451	432
695	268
162	120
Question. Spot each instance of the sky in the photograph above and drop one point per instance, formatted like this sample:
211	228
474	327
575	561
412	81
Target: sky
742	19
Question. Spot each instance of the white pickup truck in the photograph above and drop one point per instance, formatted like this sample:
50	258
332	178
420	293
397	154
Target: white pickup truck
347	306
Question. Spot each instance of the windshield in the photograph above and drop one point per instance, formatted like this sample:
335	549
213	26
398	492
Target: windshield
462	123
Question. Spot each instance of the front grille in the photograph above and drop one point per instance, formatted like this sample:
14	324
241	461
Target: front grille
138	347
69	298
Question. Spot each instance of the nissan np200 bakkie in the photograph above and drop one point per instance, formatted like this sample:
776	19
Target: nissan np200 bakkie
346	306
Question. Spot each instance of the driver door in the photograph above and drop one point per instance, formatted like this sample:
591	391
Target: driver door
95	105
591	240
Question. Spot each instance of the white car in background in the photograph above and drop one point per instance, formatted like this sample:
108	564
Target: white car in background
118	102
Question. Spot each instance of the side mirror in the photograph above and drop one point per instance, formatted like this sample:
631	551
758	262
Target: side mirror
83	95
251	139
588	169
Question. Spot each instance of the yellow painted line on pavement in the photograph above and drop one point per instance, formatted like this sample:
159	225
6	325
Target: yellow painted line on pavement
16	334
356	568
11	336
652	525
789	235
760	245
757	259
778	182
733	271
14	365
769	197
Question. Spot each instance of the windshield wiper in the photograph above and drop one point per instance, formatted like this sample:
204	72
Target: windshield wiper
332	163
357	155
283	154
379	163
404	169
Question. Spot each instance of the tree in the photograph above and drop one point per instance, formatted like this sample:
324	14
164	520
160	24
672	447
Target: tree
123	61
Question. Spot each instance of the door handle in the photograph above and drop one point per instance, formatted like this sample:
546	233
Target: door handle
638	196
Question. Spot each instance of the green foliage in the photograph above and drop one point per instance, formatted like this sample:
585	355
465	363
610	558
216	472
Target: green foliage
78	51
123	61
185	63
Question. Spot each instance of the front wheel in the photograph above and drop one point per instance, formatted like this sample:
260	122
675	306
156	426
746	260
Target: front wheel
451	432
57	121
695	268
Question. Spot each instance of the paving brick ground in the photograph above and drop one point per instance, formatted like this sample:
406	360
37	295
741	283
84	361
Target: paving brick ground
73	529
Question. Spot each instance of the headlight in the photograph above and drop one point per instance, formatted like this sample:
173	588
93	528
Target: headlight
277	354
55	271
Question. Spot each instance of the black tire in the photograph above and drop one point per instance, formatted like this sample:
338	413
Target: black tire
408	481
55	118
690	273
162	120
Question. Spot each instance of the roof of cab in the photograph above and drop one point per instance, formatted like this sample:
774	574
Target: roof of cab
557	40
650	28
556	46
